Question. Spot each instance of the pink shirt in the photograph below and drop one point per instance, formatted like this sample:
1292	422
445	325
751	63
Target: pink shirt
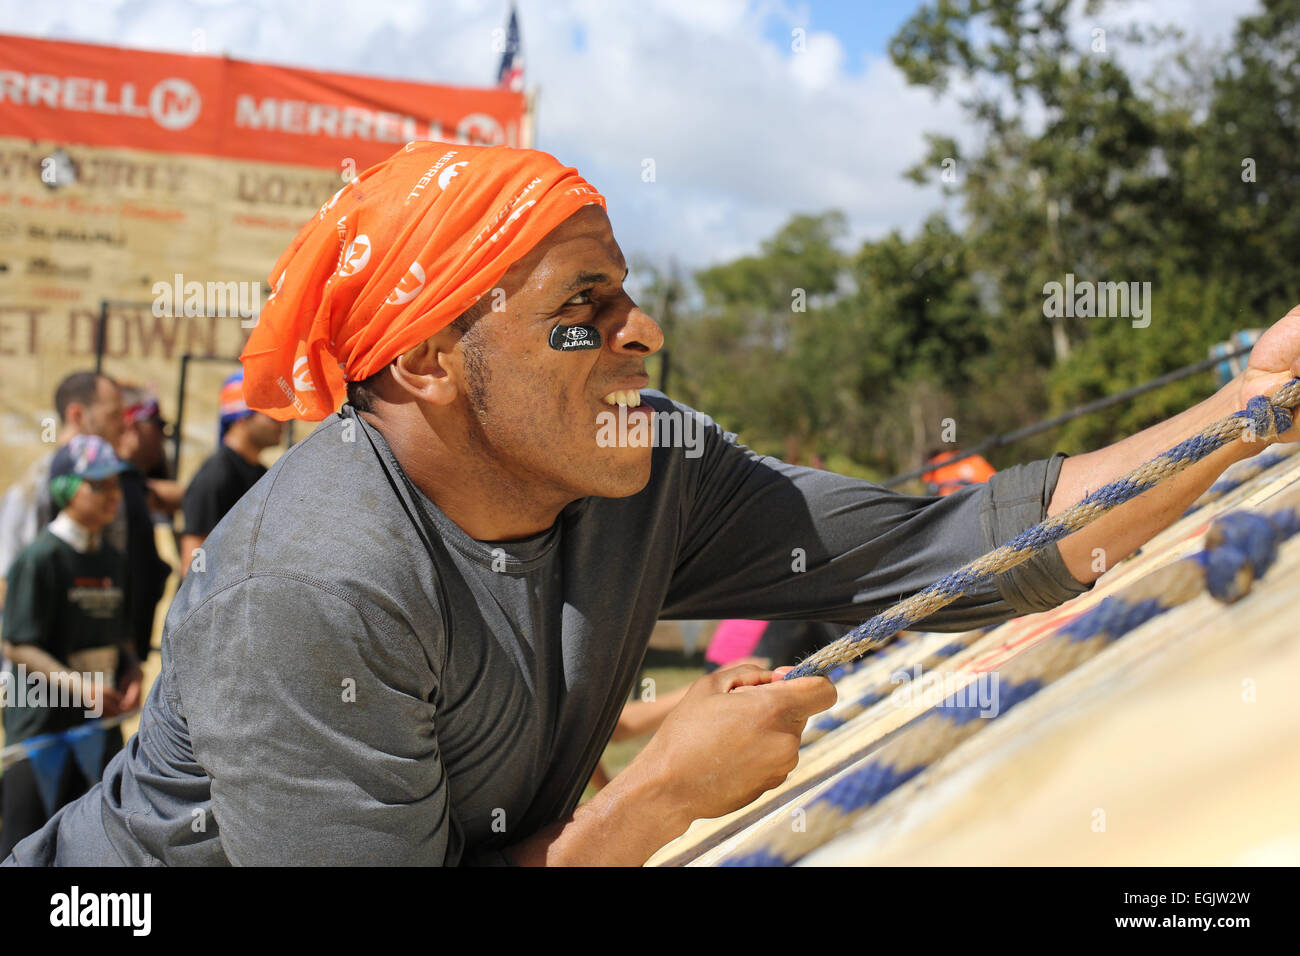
733	640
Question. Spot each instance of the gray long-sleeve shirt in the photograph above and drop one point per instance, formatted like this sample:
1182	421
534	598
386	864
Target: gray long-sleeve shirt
353	679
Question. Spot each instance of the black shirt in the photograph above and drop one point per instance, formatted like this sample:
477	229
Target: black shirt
789	642
222	481
132	534
64	602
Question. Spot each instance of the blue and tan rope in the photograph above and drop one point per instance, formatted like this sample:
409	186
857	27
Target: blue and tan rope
1242	472
842	713
1239	548
1263	419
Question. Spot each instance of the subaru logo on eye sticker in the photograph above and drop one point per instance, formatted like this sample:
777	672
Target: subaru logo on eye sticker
569	338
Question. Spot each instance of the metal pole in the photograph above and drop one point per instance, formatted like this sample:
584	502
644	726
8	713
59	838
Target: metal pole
1008	437
99	336
180	416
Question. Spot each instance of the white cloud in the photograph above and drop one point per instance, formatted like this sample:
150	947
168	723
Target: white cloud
743	132
819	64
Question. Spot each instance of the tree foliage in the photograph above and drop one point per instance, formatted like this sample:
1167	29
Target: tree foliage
1185	177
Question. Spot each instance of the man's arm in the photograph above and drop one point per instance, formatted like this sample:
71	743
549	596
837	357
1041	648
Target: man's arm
1274	361
734	736
95	697
760	538
314	720
165	494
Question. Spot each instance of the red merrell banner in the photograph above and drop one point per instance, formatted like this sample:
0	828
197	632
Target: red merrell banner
85	94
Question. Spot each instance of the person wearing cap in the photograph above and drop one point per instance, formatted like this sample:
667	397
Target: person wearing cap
414	637
65	618
87	403
132	529
144	445
227	475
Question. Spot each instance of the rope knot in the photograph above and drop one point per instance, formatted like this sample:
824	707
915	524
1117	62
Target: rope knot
1282	418
1266	420
1266	417
1239	547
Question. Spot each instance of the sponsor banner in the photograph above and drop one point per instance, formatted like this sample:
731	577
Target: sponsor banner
169	185
182	246
87	94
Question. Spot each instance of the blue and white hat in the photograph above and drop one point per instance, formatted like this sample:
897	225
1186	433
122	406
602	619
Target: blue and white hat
87	456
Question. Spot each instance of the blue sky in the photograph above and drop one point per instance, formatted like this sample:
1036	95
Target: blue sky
743	131
864	28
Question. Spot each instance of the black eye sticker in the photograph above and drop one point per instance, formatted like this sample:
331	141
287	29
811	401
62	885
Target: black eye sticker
574	338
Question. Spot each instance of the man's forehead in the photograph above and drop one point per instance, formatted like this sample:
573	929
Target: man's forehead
582	243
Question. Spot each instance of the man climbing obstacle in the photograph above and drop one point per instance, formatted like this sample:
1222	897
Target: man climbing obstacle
413	637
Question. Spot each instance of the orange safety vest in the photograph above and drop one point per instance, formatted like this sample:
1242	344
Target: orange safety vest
947	479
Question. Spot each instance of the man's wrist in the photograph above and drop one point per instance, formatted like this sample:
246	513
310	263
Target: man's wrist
650	793
1228	401
630	819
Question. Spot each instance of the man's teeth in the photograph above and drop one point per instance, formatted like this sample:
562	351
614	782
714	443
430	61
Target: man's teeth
629	397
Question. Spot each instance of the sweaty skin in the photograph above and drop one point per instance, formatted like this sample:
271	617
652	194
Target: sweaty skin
500	429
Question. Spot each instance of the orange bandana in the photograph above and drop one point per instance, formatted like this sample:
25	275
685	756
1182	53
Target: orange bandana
394	257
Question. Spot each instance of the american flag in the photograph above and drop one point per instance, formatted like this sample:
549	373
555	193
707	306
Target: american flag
511	75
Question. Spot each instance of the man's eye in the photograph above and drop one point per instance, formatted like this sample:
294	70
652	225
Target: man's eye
585	294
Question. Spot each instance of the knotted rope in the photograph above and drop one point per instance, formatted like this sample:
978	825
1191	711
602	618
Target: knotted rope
843	712
1263	418
1243	472
1239	547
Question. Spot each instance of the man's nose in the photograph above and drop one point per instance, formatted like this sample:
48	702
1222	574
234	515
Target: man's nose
637	332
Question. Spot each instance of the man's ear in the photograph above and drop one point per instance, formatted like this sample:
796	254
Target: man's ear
429	372
75	416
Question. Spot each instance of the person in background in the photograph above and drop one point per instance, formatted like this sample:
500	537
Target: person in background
769	643
789	642
733	640
226	476
66	619
87	404
943	479
131	531
144	446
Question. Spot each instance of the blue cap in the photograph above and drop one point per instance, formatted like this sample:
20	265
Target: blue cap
86	456
231	406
